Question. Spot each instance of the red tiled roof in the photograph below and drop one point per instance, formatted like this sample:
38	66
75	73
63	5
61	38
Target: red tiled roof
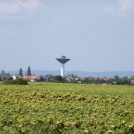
18	76
30	77
106	79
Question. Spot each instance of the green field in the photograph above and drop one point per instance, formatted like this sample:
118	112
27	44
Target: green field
51	108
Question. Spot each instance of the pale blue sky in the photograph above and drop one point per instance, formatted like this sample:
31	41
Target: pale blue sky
98	35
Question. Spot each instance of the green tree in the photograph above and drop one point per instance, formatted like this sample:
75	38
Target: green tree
3	78
132	77
41	79
10	78
116	77
58	78
110	81
28	71
20	72
123	81
16	82
2	71
86	80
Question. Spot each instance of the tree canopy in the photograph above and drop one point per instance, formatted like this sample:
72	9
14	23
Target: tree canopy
20	72
29	71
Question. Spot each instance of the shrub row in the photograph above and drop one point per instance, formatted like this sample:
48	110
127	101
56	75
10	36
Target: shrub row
16	82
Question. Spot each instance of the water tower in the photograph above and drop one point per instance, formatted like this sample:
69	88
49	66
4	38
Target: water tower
62	60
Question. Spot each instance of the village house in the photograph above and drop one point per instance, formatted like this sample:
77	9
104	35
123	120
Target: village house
105	79
132	82
16	76
31	78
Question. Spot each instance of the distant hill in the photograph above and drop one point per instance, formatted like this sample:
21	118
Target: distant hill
110	74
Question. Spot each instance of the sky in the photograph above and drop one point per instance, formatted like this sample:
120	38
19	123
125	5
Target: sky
98	35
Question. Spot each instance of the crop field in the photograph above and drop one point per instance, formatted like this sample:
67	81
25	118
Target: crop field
52	108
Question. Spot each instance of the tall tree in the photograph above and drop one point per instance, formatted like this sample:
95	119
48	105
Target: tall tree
20	72
116	77
2	71
28	71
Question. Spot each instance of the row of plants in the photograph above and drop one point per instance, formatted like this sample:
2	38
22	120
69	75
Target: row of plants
55	108
15	82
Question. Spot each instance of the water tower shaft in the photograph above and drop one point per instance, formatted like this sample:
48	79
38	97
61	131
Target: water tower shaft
62	60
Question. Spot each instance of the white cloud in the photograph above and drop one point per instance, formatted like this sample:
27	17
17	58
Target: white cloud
125	5
18	6
122	7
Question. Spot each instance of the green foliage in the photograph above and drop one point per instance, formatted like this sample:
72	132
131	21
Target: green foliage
123	81
29	71
20	72
56	78
110	81
41	79
132	77
3	78
116	81
116	77
10	78
89	81
16	82
2	71
20	82
57	108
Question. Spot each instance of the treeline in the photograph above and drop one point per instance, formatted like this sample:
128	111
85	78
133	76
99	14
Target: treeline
15	82
51	78
112	81
88	80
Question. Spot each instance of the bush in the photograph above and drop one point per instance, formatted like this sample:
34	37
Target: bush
57	78
16	82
